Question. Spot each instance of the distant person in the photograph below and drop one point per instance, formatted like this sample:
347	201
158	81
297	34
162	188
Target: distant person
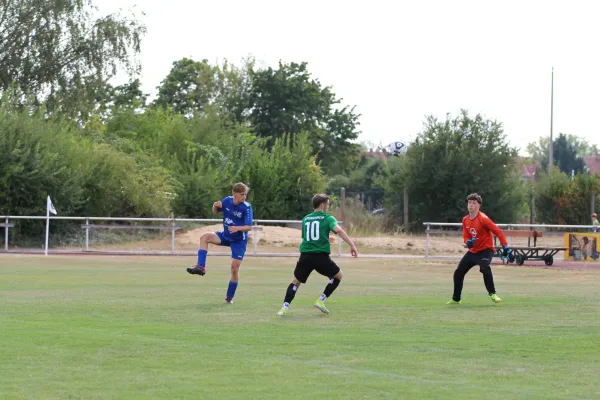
477	233
584	247
595	222
314	253
237	222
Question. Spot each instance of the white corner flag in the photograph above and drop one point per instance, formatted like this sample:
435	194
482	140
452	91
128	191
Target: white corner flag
51	206
49	209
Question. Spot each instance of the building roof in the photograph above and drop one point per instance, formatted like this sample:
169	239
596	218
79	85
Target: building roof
593	163
382	155
528	171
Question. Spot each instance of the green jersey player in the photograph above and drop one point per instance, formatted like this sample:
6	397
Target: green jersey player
314	253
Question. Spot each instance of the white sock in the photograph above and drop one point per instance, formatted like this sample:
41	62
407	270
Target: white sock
286	306
323	297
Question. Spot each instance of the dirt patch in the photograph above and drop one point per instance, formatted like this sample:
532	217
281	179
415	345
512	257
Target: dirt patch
271	235
276	236
286	240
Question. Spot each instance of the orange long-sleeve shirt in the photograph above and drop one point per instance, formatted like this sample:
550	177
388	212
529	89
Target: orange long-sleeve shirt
482	228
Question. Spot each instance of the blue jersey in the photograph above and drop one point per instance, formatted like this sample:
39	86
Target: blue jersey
235	215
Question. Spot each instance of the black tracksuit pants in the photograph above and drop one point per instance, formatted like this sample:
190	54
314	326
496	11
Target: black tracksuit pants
469	260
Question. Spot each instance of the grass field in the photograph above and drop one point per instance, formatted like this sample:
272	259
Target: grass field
101	327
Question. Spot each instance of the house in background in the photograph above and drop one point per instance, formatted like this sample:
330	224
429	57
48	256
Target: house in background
528	172
593	163
377	154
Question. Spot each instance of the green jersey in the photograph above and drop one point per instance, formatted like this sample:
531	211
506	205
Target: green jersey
315	232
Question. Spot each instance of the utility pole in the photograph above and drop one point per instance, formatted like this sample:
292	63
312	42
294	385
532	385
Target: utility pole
551	149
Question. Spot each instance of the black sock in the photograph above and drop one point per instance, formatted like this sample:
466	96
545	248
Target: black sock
333	284
290	294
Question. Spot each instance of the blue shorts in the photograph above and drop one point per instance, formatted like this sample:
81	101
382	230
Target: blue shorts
238	249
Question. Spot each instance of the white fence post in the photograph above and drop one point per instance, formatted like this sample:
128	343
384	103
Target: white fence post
87	234
6	235
254	235
427	242
173	234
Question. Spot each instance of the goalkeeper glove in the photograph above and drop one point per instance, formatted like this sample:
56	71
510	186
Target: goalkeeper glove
471	242
505	252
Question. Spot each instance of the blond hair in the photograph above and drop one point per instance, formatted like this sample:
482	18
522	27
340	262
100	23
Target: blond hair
240	188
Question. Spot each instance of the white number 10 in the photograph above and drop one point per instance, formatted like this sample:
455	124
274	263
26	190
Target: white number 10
312	230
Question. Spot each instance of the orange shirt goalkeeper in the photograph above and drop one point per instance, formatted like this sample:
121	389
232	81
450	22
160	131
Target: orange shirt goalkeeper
478	231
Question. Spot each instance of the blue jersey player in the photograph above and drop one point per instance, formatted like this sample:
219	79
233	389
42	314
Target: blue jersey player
237	222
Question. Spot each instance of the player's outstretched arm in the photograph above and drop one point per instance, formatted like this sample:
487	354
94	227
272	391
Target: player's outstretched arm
346	239
496	231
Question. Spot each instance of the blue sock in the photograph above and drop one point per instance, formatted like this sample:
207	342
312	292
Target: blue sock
202	257
231	289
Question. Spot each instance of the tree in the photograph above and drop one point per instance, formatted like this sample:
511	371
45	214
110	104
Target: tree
567	152
565	156
458	156
59	52
110	100
193	86
287	101
127	95
561	199
44	155
283	178
365	181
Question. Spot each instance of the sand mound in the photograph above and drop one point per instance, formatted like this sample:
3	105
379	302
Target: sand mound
273	235
277	236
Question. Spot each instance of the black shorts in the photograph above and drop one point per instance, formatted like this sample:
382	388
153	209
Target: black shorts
320	262
482	258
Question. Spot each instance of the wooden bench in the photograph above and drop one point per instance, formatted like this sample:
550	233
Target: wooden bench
523	234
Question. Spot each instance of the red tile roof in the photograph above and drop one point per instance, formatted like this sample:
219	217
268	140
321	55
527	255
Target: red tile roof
593	163
382	155
528	171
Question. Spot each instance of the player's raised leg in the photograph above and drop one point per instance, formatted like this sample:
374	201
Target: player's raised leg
205	239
